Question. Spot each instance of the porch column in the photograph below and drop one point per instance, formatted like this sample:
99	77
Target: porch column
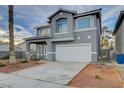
50	51
27	54
27	46
37	49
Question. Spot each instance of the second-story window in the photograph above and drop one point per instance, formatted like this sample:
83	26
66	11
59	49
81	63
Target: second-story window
82	23
62	25
44	32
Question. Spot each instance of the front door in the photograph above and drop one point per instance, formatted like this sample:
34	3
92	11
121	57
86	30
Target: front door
42	51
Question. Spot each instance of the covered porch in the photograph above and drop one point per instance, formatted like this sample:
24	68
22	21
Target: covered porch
38	48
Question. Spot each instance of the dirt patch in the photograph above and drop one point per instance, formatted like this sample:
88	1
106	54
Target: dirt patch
8	68
97	76
120	69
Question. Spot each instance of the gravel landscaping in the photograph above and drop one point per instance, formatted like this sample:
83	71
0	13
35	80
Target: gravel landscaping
97	76
8	68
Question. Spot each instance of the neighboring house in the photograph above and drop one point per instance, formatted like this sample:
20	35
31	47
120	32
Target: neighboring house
119	34
20	50
107	41
21	47
69	36
4	48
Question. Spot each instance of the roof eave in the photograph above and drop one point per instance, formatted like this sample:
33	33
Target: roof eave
43	26
63	10
35	38
89	13
119	21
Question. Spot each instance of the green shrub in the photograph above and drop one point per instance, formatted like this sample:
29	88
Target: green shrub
97	76
34	58
2	65
24	61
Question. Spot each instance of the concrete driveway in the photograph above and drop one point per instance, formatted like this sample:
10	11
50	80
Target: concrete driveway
51	74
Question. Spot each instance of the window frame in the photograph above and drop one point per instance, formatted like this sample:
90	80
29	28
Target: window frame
41	33
57	28
76	27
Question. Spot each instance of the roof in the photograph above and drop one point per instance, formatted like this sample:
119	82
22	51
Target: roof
62	10
42	26
119	21
37	37
98	11
20	43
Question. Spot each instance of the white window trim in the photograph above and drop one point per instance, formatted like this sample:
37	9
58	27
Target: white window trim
51	52
85	17
94	52
47	32
80	19
85	29
80	44
61	33
62	39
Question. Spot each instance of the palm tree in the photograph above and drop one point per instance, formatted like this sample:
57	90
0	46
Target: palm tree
11	35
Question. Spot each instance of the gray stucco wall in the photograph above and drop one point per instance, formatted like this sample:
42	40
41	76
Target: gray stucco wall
70	23
98	36
119	39
94	35
50	50
83	39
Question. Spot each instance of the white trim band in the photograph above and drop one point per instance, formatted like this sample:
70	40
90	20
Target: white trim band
94	52
86	29
80	44
40	54
61	33
51	52
55	53
62	39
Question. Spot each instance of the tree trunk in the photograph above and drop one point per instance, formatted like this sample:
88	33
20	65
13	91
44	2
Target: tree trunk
11	36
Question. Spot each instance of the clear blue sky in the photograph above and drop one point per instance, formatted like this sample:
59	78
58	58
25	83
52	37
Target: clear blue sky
26	17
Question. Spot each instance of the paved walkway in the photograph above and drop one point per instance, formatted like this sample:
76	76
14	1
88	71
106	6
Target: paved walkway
49	75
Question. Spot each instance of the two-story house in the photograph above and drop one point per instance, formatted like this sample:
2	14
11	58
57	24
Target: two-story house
119	34
69	37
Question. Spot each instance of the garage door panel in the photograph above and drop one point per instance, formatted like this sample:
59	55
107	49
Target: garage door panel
81	53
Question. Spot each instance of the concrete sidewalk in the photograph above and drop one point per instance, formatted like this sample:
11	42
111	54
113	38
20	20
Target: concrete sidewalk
49	75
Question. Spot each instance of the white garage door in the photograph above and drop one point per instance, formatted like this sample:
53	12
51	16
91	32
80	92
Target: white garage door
74	52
